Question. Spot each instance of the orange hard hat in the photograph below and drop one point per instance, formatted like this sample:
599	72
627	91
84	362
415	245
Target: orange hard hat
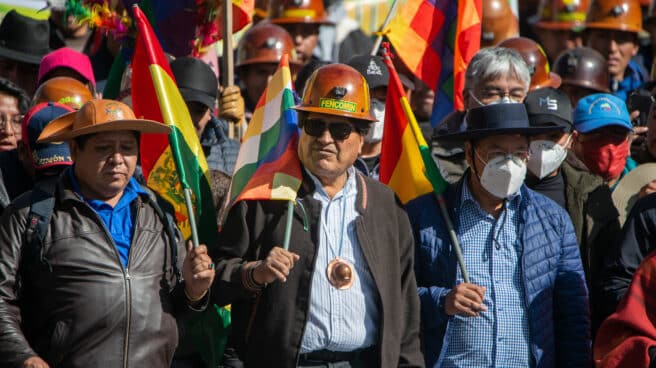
563	14
266	43
621	15
498	22
337	89
536	60
583	67
64	90
297	11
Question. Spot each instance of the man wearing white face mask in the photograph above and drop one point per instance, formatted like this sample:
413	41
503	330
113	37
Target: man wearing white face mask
526	303
375	72
585	196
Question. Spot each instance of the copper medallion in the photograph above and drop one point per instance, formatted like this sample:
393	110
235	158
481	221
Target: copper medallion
340	274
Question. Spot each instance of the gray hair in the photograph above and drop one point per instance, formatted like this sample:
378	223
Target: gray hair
495	62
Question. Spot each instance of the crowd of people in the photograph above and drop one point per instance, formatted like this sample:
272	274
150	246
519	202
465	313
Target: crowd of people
551	171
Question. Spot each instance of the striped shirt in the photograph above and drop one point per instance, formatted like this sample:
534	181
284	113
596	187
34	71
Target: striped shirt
492	251
340	320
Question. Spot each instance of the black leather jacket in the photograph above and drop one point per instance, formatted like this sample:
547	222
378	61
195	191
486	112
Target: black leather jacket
82	308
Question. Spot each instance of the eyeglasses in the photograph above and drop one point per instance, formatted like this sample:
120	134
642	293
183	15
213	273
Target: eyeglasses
338	130
519	155
490	96
13	120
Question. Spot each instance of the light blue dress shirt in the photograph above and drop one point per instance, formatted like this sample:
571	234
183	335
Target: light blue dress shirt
492	253
340	320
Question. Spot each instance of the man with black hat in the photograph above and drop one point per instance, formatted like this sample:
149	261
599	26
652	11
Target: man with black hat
23	42
585	196
525	302
199	88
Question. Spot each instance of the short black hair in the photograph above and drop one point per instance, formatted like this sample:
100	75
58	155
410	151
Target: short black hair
11	88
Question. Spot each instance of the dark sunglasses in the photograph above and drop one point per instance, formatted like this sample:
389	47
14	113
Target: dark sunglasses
338	130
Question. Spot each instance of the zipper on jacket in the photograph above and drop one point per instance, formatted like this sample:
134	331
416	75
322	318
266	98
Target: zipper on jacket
126	276
128	291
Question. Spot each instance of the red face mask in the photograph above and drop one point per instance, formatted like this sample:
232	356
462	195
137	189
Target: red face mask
606	158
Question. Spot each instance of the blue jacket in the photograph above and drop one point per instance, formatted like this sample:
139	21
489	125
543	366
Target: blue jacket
554	283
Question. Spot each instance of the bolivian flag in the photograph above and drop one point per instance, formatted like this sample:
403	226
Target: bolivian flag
406	164
177	162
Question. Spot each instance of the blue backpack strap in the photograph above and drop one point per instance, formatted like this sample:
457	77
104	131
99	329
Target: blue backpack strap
42	204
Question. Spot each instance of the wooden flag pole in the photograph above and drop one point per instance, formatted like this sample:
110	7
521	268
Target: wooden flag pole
288	225
383	28
228	72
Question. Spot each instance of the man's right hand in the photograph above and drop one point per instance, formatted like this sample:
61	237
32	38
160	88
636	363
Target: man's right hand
35	362
465	299
276	266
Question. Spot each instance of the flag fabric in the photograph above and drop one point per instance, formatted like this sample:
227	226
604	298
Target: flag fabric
406	164
267	165
436	39
171	163
242	14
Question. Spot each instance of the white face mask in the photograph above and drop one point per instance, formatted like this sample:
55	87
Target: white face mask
546	157
503	176
375	133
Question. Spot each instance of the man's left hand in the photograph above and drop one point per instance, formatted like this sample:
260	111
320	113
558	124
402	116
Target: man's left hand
198	271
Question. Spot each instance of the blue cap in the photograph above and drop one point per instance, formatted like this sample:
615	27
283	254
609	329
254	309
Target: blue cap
44	155
600	110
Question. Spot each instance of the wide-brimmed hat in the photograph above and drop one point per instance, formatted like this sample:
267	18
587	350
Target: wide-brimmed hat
625	194
497	119
98	116
23	38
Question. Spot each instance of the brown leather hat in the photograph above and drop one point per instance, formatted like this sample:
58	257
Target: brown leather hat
536	60
563	14
498	22
63	90
297	11
97	116
337	89
266	43
621	15
583	67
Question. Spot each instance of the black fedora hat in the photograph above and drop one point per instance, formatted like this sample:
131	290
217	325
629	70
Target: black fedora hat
23	38
497	119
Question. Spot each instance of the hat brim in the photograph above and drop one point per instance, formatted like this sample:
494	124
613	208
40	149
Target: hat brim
22	56
191	95
541	120
484	133
61	129
350	115
302	20
594	124
604	26
554	81
625	194
565	26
